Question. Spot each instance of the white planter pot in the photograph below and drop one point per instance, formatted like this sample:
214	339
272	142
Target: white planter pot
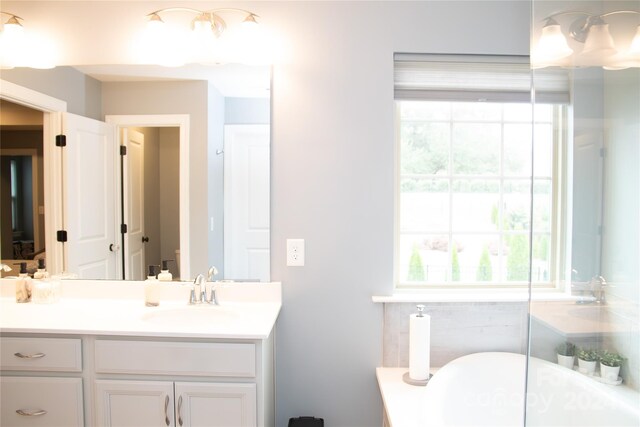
609	373
586	367
566	361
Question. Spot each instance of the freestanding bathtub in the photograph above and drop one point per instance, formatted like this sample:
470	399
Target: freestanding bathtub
488	389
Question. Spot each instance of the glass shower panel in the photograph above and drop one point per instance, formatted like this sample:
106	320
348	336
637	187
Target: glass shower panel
591	309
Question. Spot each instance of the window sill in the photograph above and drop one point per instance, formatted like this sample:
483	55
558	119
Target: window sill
465	295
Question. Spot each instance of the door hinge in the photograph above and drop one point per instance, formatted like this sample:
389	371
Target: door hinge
123	150
61	140
123	228
61	235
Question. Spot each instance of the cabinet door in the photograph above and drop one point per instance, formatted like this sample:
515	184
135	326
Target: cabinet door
215	404
40	401
134	403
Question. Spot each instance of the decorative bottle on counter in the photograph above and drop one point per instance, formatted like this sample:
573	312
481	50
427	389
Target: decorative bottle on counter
152	289
165	275
23	285
42	272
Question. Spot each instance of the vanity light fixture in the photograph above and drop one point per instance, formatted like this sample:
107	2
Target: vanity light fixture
204	38
205	20
552	48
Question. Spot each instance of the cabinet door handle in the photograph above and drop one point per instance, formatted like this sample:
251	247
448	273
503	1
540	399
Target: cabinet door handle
166	409
180	410
31	412
29	356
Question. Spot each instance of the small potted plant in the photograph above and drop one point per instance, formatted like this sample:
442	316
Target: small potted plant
610	365
587	360
566	352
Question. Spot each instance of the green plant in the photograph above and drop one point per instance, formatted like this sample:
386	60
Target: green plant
566	349
455	264
611	359
416	269
587	355
518	258
484	272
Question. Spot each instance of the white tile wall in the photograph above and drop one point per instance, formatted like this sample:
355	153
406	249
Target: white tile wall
456	329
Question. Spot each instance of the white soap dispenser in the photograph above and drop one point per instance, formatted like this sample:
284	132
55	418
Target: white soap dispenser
23	284
152	289
165	275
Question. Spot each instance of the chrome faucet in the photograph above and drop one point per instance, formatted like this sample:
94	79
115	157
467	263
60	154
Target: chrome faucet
595	287
198	293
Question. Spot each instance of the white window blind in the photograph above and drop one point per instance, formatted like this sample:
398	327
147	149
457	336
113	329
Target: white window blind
477	78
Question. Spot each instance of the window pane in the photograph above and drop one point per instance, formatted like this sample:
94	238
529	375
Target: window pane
422	110
476	259
543	150
517	258
476	148
475	205
476	111
516	201
518	113
424	205
542	205
541	258
424	258
517	149
425	148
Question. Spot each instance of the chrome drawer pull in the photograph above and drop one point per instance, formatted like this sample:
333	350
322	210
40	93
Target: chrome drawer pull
180	410
166	407
29	356
31	413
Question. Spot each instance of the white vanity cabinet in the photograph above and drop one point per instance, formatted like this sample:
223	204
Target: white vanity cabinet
127	403
182	383
41	382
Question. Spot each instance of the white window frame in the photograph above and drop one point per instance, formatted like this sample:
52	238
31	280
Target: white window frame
561	214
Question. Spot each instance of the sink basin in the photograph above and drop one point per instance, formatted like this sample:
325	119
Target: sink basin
190	314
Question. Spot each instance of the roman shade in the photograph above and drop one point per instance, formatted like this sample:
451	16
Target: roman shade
477	78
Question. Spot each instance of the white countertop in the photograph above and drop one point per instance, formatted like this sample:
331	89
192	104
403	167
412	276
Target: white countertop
403	403
117	308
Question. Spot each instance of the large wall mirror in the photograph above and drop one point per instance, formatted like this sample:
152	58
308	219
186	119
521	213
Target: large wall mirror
193	187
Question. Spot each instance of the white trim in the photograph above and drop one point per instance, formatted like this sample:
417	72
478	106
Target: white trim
52	109
169	120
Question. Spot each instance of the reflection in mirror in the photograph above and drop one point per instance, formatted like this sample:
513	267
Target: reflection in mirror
21	191
228	110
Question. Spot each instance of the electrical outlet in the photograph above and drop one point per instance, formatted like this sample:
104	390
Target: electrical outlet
295	252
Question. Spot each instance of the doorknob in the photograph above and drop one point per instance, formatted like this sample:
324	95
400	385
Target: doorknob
114	247
145	239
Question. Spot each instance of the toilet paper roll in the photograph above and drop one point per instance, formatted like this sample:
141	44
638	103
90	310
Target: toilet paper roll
419	347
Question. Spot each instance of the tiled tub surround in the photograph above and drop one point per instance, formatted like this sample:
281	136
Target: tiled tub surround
457	329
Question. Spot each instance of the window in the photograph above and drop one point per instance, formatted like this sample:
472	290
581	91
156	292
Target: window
465	181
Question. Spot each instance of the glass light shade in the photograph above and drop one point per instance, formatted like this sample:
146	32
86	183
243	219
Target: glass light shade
634	48
13	27
553	44
202	25
155	23
599	42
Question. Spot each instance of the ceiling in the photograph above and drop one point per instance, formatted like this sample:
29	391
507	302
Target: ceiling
231	80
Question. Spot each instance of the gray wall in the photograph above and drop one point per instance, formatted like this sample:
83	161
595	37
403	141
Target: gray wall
82	93
332	182
215	177
169	194
174	98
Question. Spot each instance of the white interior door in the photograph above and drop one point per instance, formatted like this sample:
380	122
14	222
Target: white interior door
89	185
134	261
246	202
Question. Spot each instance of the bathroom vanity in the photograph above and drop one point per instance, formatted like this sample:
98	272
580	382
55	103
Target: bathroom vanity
99	357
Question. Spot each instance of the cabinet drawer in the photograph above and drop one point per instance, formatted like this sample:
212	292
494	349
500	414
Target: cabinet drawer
176	358
40	354
40	401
